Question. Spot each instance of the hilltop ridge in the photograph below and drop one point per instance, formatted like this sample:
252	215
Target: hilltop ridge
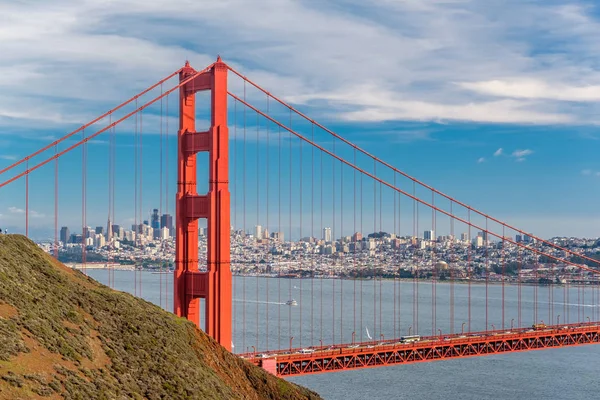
64	335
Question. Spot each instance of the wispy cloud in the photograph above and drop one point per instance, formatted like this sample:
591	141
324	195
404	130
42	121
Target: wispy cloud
481	160
16	210
9	157
522	153
498	152
589	172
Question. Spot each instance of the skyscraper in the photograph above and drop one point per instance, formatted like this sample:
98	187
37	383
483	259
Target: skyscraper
99	230
64	235
258	232
428	235
166	220
327	234
154	221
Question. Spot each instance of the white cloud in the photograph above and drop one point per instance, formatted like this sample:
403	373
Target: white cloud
16	210
9	157
522	153
498	152
586	172
534	89
520	159
436	60
35	214
480	160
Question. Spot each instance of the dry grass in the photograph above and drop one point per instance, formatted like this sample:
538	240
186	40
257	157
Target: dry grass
63	335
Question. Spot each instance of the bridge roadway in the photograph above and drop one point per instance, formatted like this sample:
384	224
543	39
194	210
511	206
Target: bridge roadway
348	356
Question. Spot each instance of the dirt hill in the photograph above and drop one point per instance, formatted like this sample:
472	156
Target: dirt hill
63	335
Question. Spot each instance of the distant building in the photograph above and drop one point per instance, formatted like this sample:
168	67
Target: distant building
327	234
64	235
518	238
428	235
357	237
464	237
154	220
166	220
99	230
277	236
258	233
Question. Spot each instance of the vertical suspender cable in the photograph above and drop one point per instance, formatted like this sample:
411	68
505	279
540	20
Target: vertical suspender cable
268	240
503	260
372	261
355	243
257	221
56	203
380	264
487	272
343	255
141	192
400	278
322	272
418	277
27	199
312	232
167	190
160	195
135	195
452	270
235	222
300	235
110	189
281	242
470	268
84	229
290	232
394	257
433	267
362	262
415	270
333	233
245	261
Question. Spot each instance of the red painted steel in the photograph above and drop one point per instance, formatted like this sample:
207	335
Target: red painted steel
433	348
190	284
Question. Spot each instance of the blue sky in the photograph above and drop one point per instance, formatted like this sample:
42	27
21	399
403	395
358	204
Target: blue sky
436	88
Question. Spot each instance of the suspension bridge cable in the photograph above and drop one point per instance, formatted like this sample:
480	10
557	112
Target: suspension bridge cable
67	136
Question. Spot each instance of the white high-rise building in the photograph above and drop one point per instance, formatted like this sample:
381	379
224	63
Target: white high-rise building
99	241
164	233
478	241
258	232
327	234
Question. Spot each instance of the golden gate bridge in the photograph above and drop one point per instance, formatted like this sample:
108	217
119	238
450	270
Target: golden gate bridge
300	177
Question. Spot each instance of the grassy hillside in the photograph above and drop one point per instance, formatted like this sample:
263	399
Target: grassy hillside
63	335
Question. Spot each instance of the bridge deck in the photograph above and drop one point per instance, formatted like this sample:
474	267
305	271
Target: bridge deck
393	352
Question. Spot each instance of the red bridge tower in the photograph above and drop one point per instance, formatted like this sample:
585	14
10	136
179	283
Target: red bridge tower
189	284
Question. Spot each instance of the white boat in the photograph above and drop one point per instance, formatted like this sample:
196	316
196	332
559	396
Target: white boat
291	302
